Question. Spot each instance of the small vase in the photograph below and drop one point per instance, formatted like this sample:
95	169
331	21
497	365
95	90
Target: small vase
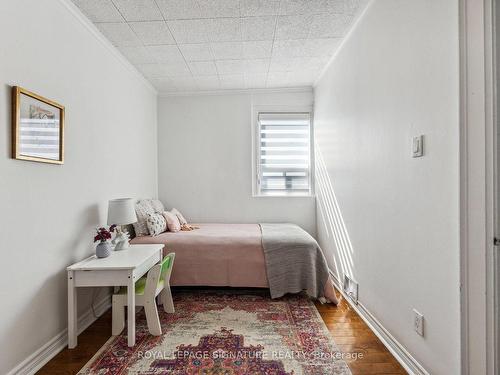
103	249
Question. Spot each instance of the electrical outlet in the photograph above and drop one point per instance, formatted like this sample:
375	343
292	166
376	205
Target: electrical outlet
351	289
418	322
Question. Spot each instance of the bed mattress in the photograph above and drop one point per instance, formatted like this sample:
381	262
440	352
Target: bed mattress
215	255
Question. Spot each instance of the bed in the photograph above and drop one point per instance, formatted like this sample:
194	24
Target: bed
247	255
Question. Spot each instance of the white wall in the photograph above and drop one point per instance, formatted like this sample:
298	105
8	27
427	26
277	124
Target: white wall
205	160
49	211
391	221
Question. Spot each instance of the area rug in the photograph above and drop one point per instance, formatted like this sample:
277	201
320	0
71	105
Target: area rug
226	332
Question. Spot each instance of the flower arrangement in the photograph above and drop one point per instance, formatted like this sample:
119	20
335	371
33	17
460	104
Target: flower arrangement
104	234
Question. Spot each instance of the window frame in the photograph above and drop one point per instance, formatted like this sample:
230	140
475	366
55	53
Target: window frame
256	110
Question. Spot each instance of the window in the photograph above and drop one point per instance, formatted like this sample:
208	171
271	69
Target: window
283	153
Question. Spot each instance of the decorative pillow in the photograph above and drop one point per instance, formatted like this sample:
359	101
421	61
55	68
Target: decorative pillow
173	224
156	224
157	206
142	209
181	218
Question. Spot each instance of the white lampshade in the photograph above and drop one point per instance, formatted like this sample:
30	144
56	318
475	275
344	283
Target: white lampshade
121	211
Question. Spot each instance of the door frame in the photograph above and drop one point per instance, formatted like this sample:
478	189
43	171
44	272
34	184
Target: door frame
477	185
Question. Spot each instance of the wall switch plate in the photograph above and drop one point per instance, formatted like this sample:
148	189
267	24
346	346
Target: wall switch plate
351	289
417	146
418	322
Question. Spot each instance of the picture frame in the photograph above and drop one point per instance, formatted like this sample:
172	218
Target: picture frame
37	128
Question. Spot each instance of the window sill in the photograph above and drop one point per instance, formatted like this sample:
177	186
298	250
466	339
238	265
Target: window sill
284	196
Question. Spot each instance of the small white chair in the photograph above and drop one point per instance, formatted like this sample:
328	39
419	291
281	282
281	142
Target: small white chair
156	283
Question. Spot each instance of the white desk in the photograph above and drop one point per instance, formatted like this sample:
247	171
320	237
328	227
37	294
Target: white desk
121	268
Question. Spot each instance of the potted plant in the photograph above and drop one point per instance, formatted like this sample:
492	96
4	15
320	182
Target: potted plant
103	248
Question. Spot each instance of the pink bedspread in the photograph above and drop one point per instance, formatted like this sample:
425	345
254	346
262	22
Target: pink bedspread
215	255
219	255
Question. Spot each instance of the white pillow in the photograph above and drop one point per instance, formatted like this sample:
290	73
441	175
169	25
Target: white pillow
181	218
157	206
156	224
173	223
142	209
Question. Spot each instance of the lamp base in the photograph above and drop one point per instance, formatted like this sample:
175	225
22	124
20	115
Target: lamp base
121	240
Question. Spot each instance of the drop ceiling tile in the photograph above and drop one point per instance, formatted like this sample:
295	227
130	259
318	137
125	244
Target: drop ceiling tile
330	25
153	70
165	53
281	65
297	64
99	10
207	82
152	33
196	52
253	81
139	10
277	80
230	67
176	68
163	84
293	27
224	29
336	6
185	83
120	34
232	81
284	49
227	50
137	55
203	68
219	8
256	66
259	7
221	44
354	6
189	31
303	76
258	28
297	7
320	47
175	9
260	49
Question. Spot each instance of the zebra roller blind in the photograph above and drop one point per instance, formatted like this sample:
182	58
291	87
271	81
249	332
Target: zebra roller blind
284	154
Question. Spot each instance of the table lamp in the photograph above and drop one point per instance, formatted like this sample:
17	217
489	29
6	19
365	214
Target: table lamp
121	212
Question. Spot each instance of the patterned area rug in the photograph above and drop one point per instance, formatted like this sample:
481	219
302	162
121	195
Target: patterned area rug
226	332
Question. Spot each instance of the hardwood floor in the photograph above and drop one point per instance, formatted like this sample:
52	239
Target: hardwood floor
352	335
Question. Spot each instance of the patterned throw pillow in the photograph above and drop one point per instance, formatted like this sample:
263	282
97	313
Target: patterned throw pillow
142	209
156	224
157	206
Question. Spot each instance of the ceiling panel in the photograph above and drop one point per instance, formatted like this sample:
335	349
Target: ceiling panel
99	10
196	52
199	45
138	10
153	32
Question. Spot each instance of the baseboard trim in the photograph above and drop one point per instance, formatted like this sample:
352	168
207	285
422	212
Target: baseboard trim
399	352
48	351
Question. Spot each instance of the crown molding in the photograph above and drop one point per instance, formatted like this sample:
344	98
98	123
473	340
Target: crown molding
307	89
73	9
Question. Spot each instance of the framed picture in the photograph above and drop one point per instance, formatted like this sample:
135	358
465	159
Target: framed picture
37	128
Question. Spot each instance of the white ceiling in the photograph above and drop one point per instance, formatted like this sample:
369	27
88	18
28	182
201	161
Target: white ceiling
205	45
